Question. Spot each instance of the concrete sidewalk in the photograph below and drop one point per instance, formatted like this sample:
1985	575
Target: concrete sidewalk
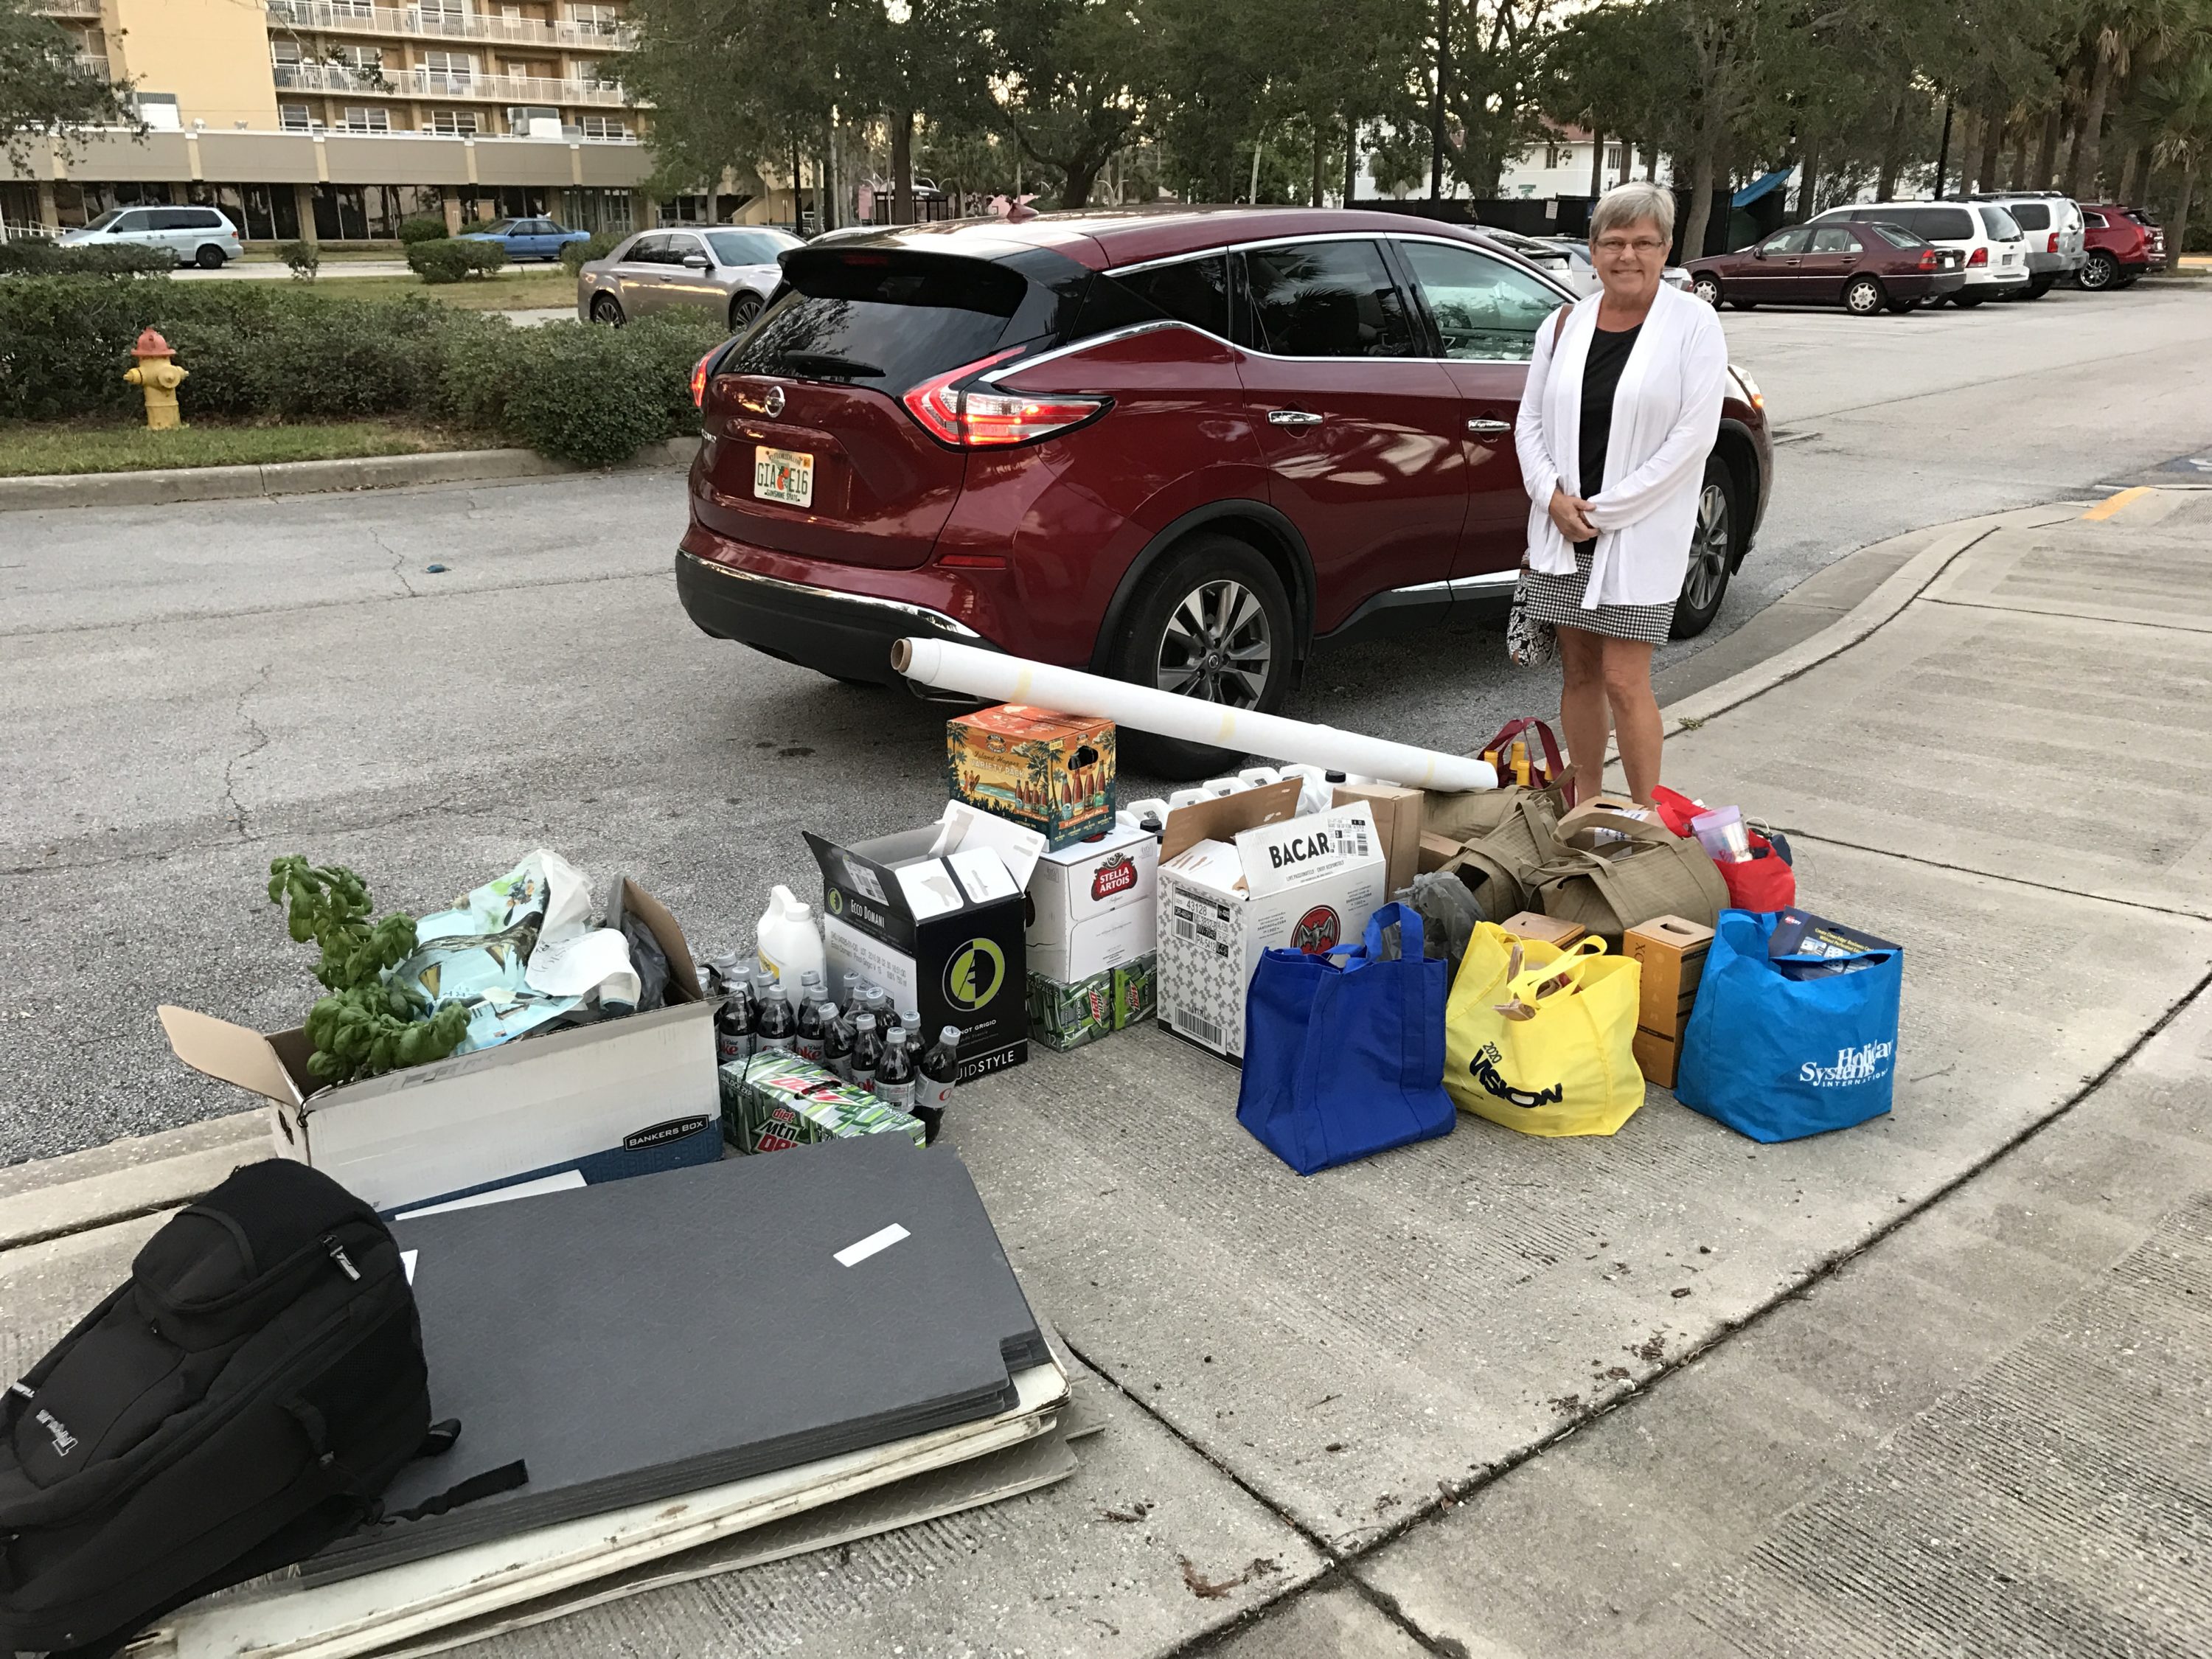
1381	1400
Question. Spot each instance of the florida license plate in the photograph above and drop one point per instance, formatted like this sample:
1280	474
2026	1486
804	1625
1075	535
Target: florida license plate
783	474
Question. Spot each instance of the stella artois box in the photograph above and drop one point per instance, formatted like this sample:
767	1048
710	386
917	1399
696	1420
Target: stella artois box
1307	884
1093	906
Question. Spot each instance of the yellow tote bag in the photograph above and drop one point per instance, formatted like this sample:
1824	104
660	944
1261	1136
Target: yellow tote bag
1571	1070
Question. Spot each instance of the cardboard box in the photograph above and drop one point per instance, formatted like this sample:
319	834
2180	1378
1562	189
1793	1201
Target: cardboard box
1398	820
1671	950
1239	875
774	1100
1136	991
626	1097
1093	906
935	916
1435	852
1528	924
1051	772
1622	805
1659	1058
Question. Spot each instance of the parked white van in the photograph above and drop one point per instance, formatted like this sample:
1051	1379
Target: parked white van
198	236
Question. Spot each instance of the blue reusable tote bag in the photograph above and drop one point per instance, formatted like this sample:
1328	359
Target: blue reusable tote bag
1342	1062
1778	1058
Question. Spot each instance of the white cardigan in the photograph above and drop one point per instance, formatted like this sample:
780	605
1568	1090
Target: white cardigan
1666	413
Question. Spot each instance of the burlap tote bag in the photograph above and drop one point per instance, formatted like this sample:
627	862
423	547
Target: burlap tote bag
1650	872
1502	865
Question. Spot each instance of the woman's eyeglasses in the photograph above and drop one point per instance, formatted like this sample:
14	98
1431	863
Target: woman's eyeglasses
1629	245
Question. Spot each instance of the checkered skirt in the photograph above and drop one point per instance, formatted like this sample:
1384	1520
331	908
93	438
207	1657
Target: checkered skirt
1559	600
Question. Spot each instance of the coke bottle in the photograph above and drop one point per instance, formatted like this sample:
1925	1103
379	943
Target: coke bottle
778	1029
836	1042
867	1050
807	1029
895	1073
940	1068
735	1021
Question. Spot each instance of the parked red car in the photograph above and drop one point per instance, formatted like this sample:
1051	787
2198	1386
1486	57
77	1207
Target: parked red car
2123	243
1863	265
1175	445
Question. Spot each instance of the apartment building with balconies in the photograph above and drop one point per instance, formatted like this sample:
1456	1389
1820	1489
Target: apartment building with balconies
335	119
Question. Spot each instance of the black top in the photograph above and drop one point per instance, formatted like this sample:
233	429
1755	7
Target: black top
1608	356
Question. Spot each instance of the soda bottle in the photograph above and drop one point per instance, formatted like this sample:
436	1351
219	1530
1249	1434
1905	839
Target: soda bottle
941	1067
895	1073
806	1027
736	1020
912	1023
778	1031
836	1041
850	1004
711	983
867	1050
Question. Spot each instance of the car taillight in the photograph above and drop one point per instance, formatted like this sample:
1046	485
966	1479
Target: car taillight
1981	257
699	380
993	420
1928	259
2052	246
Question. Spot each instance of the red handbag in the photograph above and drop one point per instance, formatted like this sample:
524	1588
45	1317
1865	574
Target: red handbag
1547	766
1765	881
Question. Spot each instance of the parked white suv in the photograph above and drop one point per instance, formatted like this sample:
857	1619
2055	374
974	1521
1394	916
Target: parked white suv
1988	240
2056	249
198	236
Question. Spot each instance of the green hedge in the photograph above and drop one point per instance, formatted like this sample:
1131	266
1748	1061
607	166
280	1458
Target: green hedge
412	231
262	350
452	259
116	259
603	242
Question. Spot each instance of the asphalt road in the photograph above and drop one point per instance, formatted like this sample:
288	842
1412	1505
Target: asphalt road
189	691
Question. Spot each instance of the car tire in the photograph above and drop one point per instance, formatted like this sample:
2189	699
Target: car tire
1898	308
605	308
1712	551
2038	287
1966	300
1212	603
1744	305
210	258
1864	297
743	309
2100	272
1707	289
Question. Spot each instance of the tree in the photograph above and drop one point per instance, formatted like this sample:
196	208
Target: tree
2179	107
1063	74
46	91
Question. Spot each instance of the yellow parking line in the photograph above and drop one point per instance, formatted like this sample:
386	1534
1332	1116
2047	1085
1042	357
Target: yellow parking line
2119	503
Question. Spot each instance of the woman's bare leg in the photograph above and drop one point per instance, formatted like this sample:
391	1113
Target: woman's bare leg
1582	706
1635	713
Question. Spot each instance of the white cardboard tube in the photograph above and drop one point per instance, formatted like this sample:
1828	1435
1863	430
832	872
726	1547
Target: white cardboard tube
946	666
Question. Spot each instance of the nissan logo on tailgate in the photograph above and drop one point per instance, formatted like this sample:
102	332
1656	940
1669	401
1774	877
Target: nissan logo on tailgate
772	404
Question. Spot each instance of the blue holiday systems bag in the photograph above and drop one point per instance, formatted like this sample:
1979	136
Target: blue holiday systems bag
1780	1048
1343	1061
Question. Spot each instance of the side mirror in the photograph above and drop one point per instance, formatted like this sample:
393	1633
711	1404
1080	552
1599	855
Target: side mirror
695	262
1758	252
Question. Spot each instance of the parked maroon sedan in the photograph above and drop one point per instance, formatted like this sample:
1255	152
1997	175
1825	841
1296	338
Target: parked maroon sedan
1863	265
1178	446
2123	243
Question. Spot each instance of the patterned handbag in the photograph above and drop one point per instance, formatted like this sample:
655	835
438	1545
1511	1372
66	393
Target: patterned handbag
1529	642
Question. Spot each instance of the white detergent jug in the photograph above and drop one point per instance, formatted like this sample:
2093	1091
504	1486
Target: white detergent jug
790	942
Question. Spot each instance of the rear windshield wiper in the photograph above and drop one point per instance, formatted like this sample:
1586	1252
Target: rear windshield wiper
823	362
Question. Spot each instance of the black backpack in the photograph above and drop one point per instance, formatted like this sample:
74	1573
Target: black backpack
241	1401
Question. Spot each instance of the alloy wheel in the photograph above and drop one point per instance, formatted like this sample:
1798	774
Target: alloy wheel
1709	548
1707	289
2099	272
607	309
1864	298
1217	645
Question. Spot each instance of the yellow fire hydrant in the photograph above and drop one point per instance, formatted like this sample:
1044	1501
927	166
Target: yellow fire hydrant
159	377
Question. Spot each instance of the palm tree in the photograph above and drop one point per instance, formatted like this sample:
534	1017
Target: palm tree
2179	105
2115	31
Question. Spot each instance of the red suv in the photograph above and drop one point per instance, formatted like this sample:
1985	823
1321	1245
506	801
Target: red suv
1178	446
2123	243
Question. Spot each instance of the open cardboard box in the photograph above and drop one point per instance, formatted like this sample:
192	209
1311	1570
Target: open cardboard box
625	1096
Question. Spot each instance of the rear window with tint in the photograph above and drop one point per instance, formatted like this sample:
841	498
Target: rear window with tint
2003	226
884	319
1193	291
1944	224
1897	235
2030	215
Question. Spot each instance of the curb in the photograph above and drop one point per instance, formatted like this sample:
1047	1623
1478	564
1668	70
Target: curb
166	486
50	1198
1880	607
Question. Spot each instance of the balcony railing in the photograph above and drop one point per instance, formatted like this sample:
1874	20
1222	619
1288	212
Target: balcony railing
67	8
95	62
444	83
360	17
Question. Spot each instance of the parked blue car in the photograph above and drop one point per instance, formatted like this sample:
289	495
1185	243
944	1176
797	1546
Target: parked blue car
526	239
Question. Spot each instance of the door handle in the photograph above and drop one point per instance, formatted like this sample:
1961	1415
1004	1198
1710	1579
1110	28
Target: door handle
1480	424
1292	418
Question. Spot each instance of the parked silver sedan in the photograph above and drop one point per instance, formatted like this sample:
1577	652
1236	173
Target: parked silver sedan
728	271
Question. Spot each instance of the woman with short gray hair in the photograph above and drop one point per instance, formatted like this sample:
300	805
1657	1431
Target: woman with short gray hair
1622	407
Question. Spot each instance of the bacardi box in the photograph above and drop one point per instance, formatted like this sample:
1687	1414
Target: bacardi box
1094	906
935	916
1230	889
1052	772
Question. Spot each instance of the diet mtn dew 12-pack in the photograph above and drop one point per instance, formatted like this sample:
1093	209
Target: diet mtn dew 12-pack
773	1101
935	916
